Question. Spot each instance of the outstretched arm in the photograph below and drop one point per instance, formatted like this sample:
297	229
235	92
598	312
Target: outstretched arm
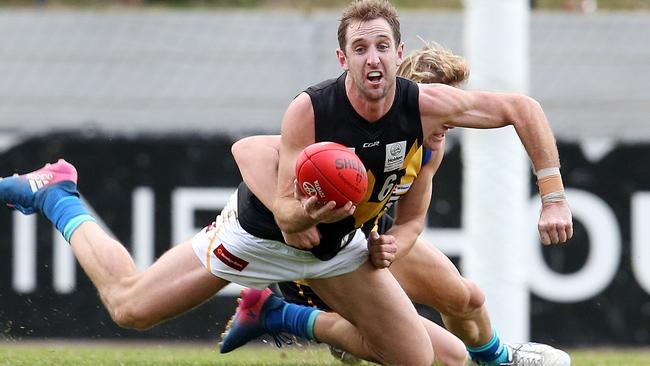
444	106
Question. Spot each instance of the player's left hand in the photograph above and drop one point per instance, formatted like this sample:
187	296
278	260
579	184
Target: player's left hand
319	211
555	223
382	249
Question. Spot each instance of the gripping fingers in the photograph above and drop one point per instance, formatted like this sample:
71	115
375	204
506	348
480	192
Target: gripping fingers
382	249
382	263
384	257
555	233
549	235
555	236
310	205
329	213
555	223
561	236
545	238
565	232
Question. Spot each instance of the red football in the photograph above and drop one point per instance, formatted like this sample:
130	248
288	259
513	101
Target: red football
332	172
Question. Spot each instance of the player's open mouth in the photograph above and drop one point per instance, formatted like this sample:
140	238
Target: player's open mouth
374	76
438	136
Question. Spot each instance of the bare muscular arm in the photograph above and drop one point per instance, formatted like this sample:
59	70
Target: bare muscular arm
409	220
257	160
412	208
444	105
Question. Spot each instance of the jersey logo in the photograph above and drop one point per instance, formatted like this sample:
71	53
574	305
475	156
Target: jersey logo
370	144
395	154
229	259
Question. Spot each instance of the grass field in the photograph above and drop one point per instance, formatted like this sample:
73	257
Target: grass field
143	354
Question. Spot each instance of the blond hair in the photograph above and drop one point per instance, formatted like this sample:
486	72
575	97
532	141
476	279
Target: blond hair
434	64
365	10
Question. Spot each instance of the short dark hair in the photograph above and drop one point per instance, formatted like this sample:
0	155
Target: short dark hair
364	10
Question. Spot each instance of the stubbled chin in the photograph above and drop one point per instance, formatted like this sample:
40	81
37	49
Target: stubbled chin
375	92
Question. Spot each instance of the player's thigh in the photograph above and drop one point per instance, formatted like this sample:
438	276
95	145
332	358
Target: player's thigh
429	277
373	301
175	283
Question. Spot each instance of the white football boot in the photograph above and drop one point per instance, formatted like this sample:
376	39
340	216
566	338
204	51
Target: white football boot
536	354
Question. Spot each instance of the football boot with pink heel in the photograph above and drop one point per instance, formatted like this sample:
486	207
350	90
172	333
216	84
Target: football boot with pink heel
27	192
249	321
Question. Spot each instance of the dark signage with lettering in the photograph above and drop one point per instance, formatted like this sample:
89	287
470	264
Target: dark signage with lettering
153	191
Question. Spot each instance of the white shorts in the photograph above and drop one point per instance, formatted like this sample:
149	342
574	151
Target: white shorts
231	253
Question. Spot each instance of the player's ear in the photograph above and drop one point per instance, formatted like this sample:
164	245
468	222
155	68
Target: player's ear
343	62
400	53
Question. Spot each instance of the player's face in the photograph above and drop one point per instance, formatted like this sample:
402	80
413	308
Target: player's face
371	58
436	140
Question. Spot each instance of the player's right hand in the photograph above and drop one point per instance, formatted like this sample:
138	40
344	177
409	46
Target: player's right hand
319	212
328	212
303	240
555	223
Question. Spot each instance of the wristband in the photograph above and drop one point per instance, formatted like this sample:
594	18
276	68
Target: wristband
543	173
549	182
554	197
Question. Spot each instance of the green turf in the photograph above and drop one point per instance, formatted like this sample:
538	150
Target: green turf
610	357
31	354
160	355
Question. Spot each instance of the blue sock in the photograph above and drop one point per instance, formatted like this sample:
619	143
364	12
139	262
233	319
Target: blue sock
493	353
295	319
62	206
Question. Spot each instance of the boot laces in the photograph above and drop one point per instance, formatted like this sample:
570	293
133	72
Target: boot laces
521	357
281	339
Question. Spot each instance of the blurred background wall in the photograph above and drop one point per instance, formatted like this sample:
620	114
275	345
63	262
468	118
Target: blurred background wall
236	70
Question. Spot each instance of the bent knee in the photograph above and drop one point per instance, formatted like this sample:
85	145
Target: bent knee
128	316
468	300
476	297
